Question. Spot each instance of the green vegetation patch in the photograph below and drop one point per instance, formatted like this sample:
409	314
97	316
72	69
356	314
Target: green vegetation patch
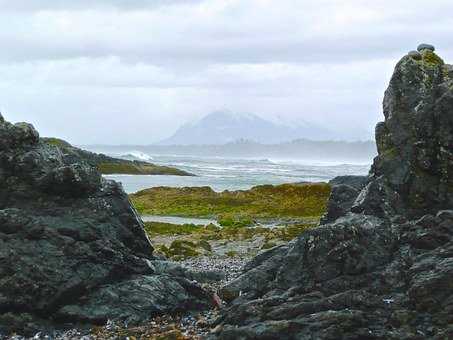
167	229
431	59
180	249
265	201
137	168
195	240
235	221
56	142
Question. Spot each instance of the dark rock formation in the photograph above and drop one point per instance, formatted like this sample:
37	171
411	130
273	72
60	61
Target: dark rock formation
72	248
415	55
413	173
383	270
345	190
356	182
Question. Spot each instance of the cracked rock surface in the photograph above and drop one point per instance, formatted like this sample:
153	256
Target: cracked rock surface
72	248
381	265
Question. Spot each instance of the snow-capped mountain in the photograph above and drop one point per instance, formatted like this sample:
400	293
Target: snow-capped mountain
223	127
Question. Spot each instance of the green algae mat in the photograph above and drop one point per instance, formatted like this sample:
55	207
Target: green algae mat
265	201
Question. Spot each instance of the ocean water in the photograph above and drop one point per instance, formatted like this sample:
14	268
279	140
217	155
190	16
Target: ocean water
237	174
179	220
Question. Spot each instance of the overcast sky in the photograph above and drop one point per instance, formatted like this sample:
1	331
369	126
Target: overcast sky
113	71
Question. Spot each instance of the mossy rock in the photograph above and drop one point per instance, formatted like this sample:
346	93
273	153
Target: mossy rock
162	249
204	245
110	165
268	245
431	59
232	253
137	168
180	249
55	142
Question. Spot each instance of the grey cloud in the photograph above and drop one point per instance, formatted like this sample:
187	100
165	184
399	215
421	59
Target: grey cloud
197	52
65	5
76	69
172	39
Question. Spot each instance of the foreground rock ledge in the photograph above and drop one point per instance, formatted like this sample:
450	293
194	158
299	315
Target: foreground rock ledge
383	266
72	248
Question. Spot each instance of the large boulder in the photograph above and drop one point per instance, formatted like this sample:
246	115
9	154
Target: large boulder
413	172
72	248
345	190
381	267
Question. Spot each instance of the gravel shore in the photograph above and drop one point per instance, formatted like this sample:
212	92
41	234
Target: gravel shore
231	267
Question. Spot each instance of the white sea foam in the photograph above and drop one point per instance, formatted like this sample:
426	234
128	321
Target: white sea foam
306	162
238	174
138	155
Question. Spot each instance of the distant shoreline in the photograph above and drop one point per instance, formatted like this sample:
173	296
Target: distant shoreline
315	151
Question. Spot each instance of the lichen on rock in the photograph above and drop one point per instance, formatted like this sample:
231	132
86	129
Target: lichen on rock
381	265
414	163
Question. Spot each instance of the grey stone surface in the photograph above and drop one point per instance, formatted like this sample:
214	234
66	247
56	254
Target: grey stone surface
382	269
345	190
357	182
429	47
415	55
72	248
413	172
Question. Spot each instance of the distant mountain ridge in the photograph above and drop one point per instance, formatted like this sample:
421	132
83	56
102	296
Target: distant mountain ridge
301	149
223	127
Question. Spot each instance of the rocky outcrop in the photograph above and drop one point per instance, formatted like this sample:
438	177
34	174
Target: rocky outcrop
110	165
413	173
356	182
345	190
72	248
384	268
